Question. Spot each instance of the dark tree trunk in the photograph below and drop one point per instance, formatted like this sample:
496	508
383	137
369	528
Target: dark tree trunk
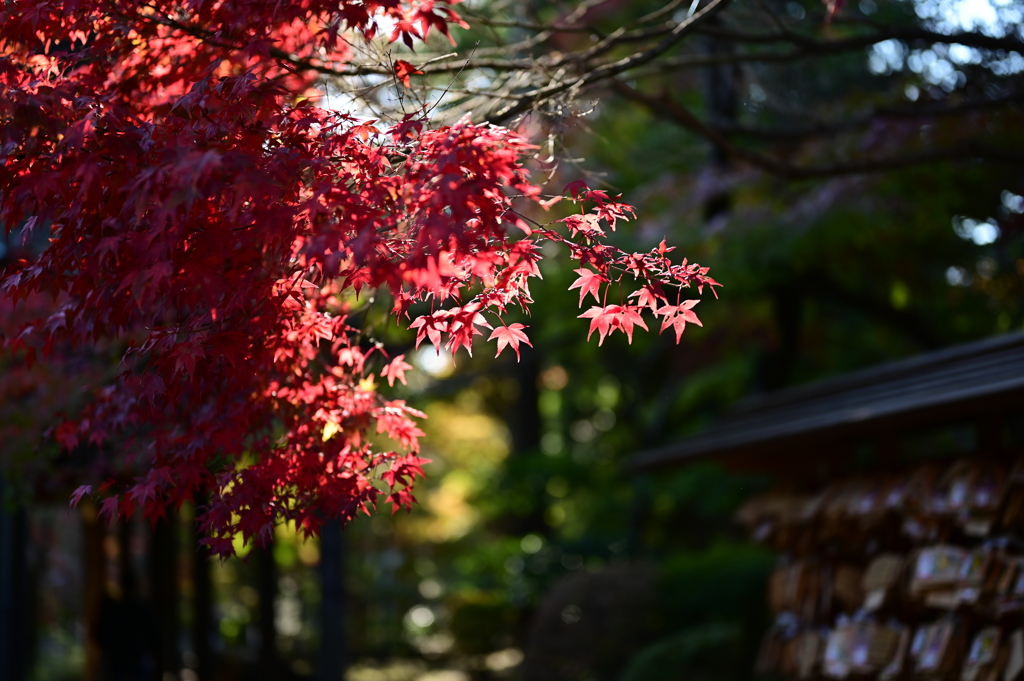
524	421
202	608
93	582
267	587
15	621
524	417
333	649
163	579
722	105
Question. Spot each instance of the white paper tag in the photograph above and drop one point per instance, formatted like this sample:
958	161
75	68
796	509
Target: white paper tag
873	601
977	528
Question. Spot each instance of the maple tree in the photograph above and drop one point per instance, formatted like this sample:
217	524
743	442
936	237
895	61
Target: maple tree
206	217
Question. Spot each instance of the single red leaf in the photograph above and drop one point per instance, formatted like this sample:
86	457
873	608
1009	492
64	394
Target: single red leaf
403	70
396	369
601	320
76	496
510	335
648	296
576	189
589	282
677	317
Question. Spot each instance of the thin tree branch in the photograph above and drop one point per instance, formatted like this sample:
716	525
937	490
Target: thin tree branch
682	29
923	110
904	34
667	108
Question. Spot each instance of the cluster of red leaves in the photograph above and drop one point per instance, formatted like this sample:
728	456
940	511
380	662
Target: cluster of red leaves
203	213
653	271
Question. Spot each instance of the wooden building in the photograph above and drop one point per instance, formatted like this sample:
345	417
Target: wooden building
896	512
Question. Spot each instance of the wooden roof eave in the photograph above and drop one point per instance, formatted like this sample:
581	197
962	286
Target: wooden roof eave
961	382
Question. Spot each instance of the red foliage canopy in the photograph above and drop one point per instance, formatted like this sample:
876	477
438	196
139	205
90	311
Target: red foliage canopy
204	214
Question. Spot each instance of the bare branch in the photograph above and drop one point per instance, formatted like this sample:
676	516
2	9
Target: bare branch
684	28
920	111
667	108
905	34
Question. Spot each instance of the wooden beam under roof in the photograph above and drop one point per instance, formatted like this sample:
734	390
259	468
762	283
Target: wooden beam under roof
970	382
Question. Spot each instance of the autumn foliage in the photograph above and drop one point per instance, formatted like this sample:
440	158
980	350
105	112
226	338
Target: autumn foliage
205	216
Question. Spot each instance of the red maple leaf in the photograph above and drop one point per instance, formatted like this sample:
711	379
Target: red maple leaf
403	70
396	369
76	496
601	320
463	327
648	296
431	327
109	509
589	282
576	189
605	320
510	335
628	317
589	225
406	31
677	316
